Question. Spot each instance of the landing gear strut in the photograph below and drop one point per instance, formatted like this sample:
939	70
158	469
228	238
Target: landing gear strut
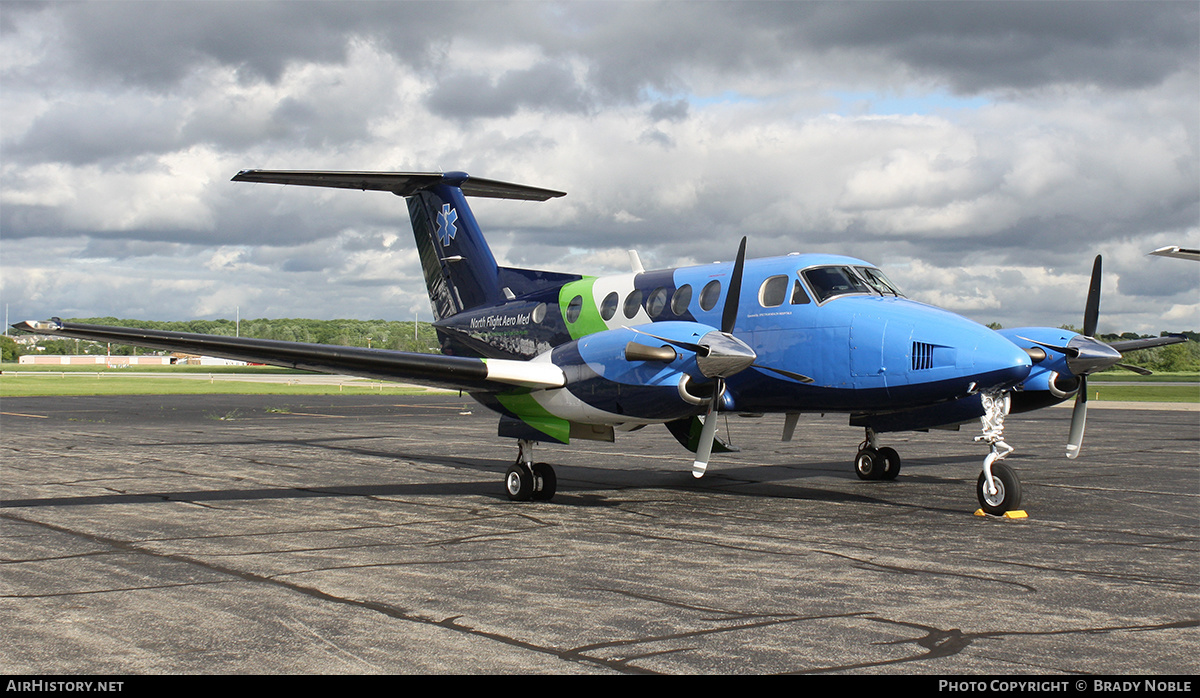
874	463
998	488
526	480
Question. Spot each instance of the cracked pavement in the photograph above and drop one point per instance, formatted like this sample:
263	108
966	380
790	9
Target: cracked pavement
263	534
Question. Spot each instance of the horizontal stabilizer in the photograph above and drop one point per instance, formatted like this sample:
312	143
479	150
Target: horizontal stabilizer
399	183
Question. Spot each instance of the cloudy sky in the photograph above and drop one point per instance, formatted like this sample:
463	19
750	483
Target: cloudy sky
982	153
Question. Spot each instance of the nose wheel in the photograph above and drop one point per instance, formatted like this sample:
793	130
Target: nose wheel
1003	495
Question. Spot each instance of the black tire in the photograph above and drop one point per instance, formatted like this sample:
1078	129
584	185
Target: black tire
1009	496
868	465
549	482
891	463
518	483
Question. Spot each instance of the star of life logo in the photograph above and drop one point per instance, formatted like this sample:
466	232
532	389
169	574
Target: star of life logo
445	224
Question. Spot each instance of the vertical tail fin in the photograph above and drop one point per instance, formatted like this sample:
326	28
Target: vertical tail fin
460	270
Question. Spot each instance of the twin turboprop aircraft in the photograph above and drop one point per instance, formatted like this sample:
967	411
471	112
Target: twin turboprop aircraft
564	356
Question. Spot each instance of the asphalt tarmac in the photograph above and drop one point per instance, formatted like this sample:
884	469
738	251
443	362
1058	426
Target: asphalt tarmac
260	534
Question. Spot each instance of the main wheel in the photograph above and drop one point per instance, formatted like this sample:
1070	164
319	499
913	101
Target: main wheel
1008	490
518	482
548	484
891	462
868	465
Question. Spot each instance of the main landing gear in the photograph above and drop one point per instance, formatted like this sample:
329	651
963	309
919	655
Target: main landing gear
526	480
874	463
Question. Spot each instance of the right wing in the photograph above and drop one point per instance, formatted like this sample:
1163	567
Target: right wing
454	372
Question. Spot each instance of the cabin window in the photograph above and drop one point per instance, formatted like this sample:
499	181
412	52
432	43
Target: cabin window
681	299
632	302
609	307
773	291
799	297
710	295
574	308
656	302
830	282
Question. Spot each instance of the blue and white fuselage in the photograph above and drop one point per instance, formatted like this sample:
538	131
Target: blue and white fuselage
835	319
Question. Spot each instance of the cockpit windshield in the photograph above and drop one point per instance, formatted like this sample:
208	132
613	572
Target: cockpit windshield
830	282
878	281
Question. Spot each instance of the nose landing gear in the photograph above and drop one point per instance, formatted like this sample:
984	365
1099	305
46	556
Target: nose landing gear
998	488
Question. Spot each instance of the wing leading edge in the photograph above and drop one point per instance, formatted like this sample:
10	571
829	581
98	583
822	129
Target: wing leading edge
454	372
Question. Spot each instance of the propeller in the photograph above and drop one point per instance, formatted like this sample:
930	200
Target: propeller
719	354
1085	355
723	356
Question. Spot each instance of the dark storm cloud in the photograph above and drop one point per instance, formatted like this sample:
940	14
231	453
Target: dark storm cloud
157	44
994	45
631	47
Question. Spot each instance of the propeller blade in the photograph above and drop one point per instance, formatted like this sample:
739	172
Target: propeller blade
704	447
786	374
1078	420
729	315
1148	342
1136	369
1091	316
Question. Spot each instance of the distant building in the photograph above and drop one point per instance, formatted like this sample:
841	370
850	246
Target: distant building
94	360
117	361
193	360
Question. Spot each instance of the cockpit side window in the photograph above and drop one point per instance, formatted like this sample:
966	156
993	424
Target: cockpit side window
799	297
828	282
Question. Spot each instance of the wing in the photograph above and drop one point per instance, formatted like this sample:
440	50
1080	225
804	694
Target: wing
454	372
1177	251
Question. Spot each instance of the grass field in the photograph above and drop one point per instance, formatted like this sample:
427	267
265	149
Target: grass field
28	381
75	383
84	368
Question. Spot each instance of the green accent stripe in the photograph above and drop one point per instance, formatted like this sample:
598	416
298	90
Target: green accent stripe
589	320
532	413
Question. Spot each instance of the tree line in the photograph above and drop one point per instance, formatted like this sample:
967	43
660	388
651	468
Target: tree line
378	334
392	334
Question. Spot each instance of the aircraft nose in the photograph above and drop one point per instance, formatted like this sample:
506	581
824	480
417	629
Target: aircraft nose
999	363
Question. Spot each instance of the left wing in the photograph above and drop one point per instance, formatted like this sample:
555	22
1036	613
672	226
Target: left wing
454	372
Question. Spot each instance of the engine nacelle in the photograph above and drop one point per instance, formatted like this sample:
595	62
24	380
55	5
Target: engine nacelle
624	375
1050	381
